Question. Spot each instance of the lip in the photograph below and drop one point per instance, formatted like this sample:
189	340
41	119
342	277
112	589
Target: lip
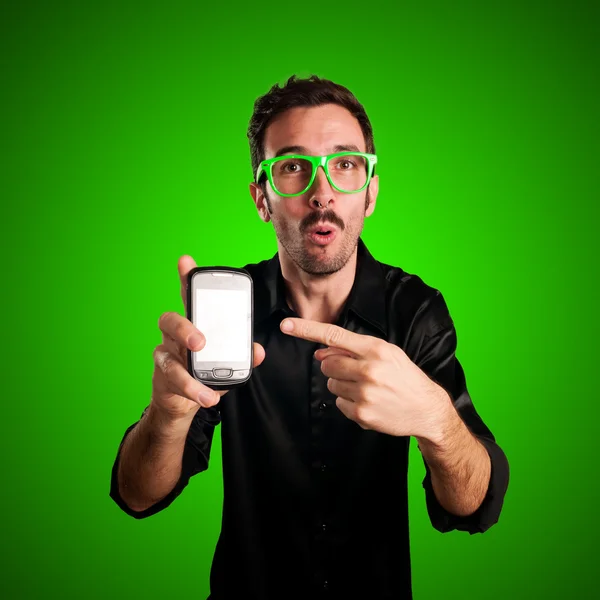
322	240
322	227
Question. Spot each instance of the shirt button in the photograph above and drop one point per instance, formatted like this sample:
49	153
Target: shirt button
324	526
322	406
323	468
326	585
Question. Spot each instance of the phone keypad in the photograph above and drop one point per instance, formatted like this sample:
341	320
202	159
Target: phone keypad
222	373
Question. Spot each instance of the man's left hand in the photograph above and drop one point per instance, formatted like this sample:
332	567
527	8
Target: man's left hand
375	382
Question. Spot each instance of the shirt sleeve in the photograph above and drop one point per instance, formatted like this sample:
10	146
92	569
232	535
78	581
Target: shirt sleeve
437	358
196	454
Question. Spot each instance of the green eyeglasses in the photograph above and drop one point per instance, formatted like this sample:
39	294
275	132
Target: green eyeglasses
293	174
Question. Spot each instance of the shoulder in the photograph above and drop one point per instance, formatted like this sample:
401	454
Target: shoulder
412	301
263	273
259	268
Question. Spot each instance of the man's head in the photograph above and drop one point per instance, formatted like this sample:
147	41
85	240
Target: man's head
313	117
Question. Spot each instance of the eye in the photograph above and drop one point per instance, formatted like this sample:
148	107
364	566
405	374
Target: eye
345	164
289	167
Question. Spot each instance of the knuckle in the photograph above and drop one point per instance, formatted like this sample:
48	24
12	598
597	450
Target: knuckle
182	354
363	396
169	366
380	347
163	320
333	335
158	355
371	395
362	415
174	325
182	329
369	372
304	330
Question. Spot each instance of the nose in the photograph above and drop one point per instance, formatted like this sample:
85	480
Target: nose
321	192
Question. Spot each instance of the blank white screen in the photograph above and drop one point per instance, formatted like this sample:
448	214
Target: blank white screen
222	316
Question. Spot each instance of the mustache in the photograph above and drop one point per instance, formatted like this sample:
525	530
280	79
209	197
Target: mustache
316	217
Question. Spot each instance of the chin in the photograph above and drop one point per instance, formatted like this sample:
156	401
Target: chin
320	271
322	265
322	261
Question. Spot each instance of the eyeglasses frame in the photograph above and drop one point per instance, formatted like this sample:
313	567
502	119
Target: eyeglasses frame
266	167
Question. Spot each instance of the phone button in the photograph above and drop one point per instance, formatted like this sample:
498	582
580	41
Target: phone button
222	373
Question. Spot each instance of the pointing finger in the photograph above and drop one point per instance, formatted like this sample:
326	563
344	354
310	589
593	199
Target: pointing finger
327	334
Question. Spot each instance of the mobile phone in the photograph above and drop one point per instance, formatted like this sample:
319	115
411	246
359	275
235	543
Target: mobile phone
220	303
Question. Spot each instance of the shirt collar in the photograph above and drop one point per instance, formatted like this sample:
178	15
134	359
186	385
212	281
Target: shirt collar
366	299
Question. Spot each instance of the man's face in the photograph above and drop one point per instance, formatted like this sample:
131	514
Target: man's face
316	131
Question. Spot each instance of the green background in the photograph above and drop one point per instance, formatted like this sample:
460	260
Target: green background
114	121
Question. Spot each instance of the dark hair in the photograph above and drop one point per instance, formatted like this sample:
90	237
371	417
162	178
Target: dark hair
313	91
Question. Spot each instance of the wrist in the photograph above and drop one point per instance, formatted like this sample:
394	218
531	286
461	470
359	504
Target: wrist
442	425
165	424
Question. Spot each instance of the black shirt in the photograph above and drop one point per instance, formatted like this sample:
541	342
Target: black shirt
314	506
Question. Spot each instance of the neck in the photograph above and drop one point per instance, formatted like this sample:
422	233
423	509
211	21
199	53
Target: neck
318	298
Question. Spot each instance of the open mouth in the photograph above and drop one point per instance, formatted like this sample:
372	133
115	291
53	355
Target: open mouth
322	236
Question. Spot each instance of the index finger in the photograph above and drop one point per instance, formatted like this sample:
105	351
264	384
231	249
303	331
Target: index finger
328	334
184	265
181	330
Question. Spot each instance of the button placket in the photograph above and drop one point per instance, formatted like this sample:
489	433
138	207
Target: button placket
320	417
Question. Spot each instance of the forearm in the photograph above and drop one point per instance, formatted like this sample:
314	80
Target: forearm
460	465
150	459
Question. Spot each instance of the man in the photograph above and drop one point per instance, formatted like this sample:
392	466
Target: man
352	358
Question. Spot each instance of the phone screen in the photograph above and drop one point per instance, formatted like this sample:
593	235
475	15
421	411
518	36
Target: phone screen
222	316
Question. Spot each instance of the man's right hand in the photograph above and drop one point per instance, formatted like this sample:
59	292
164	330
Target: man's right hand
175	393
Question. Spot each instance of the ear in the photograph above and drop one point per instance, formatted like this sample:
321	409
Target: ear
260	202
373	191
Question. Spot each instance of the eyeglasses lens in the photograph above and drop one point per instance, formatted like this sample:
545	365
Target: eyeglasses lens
349	173
292	175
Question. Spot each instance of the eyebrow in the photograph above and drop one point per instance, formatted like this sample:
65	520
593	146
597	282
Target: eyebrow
304	150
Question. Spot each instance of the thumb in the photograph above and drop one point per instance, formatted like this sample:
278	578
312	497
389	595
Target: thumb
184	265
259	354
323	353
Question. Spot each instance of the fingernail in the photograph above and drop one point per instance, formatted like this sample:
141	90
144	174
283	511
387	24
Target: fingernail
195	340
287	325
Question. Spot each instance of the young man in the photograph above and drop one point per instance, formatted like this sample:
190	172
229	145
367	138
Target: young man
316	444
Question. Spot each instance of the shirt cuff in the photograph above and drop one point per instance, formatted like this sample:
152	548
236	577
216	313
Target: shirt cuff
488	512
158	506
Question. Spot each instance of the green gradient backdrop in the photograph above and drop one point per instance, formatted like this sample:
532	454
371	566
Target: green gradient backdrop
486	126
